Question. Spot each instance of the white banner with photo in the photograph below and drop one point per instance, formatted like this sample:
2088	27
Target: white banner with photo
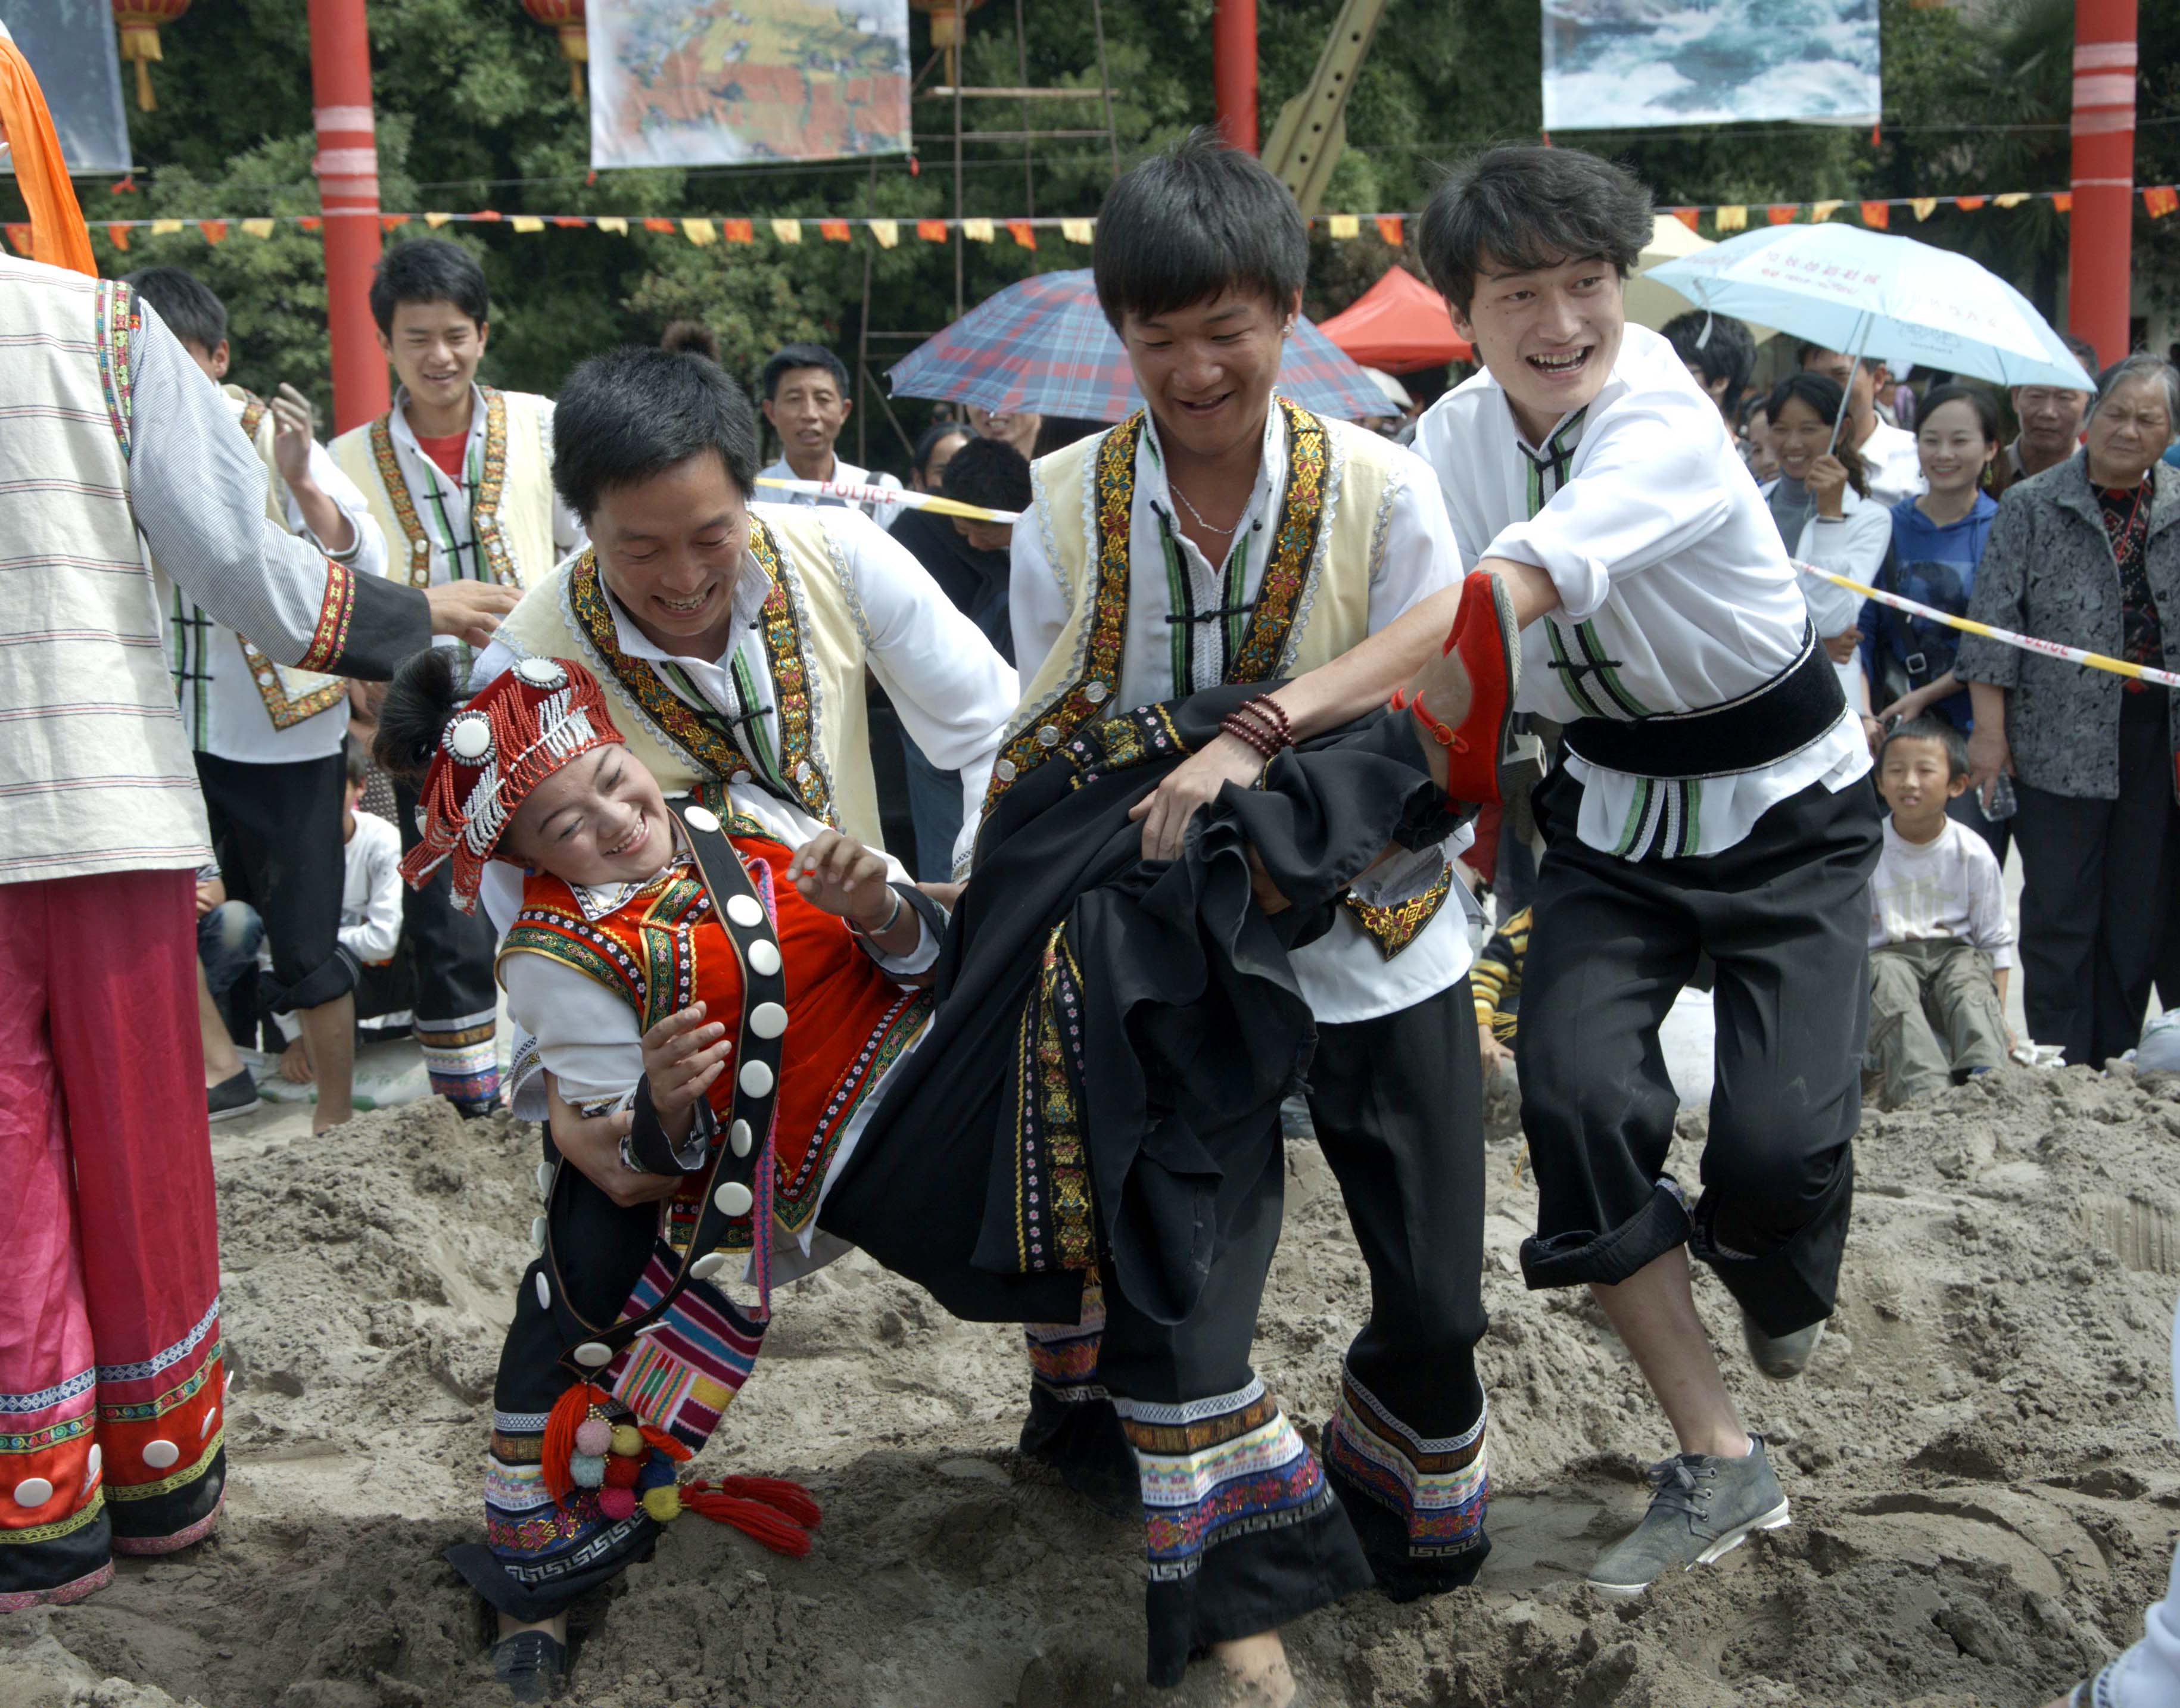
729	82
1630	64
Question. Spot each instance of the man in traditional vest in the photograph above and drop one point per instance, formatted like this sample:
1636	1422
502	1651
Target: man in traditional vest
1224	536
460	477
734	637
112	1396
267	740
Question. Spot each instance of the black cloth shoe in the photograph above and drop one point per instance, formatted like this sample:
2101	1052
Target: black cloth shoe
531	1664
235	1096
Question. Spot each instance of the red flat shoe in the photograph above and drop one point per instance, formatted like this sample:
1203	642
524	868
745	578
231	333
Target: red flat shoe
1488	644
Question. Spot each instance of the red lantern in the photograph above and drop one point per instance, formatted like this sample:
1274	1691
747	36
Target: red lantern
566	16
140	21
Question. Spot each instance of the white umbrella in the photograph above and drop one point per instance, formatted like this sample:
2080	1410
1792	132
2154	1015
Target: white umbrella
1647	302
1853	290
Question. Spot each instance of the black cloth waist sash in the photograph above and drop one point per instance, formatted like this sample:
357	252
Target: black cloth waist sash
1795	708
1192	1024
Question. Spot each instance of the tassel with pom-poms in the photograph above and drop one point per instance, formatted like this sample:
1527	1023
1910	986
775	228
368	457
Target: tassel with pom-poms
568	1414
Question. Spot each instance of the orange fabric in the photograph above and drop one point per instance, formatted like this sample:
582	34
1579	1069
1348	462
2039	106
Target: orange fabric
59	236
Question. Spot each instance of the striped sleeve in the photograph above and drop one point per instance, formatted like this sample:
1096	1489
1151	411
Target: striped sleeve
198	493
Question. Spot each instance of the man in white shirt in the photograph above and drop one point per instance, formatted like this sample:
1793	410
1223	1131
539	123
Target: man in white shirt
1888	452
460	477
1713	800
267	739
805	400
1941	946
1224	536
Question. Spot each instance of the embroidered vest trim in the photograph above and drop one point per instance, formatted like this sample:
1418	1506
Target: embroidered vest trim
708	750
290	696
484	513
1279	595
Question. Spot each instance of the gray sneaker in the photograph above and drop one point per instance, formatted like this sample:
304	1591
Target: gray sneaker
1781	1357
1704	1507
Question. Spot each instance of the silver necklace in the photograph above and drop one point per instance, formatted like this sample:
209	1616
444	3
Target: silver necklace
1201	521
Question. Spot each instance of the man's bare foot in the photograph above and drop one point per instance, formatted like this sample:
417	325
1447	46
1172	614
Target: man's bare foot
1257	1672
296	1063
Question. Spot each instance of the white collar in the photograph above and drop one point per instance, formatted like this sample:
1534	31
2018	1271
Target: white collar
1151	482
404	434
751	588
597	900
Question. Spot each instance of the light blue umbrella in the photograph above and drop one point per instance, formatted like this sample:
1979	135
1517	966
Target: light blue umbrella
1859	291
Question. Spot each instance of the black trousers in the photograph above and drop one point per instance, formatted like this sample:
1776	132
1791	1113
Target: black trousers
1397	1103
1784	916
2097	878
450	954
277	829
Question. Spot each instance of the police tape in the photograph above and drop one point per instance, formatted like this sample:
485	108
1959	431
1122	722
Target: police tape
2026	643
854	492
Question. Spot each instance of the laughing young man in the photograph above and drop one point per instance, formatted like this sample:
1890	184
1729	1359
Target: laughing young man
1714	801
1226	535
459	476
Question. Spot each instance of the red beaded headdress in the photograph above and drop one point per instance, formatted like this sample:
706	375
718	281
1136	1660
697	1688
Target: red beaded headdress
521	729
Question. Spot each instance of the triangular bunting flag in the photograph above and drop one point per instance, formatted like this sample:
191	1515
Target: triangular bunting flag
1969	204
2013	198
613	223
1023	232
436	220
787	230
833	230
1782	212
525	223
1877	215
931	230
1343	225
1391	231
700	232
1734	218
1820	212
1686	215
887	232
2062	201
214	230
258	227
2160	200
118	235
978	230
1925	206
1078	230
737	230
165	228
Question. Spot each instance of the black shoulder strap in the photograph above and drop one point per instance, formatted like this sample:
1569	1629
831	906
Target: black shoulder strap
731	1190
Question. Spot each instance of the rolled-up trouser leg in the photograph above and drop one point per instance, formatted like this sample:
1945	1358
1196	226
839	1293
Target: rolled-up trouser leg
1398	1105
1244	1534
1784	915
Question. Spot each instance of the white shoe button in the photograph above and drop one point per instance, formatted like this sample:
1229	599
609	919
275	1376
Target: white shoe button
744	912
537	1232
33	1491
709	1264
764	959
768	1020
739	1136
593	1354
96	1461
160	1454
702	818
544	1293
756	1078
733	1199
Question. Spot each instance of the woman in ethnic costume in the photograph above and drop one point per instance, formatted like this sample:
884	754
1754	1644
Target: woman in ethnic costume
1096	1097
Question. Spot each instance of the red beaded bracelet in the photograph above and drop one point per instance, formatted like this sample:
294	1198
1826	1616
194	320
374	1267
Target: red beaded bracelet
1250	733
1274	715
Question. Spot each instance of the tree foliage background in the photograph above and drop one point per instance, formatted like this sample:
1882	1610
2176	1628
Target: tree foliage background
474	111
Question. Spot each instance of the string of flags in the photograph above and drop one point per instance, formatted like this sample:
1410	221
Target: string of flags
2158	200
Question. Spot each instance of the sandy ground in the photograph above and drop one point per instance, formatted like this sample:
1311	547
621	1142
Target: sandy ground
1985	1480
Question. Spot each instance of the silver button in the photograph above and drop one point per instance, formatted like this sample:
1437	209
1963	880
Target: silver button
739	1136
803	773
768	1020
740	779
734	1199
1048	736
764	958
709	1264
160	1454
702	818
1095	693
593	1354
756	1078
537	1232
744	912
544	1294
1005	770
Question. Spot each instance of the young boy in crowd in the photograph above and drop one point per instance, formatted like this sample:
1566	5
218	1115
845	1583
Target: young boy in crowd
1939	946
460	476
370	921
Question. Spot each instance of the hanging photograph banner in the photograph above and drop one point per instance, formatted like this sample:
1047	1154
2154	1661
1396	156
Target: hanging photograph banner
727	82
70	46
1625	65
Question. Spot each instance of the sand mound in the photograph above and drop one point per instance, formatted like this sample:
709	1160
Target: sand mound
1985	1482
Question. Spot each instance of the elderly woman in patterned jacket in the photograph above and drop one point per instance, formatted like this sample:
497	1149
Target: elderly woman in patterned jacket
2088	554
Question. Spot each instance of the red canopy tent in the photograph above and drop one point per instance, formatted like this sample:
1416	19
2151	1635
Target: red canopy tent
1399	324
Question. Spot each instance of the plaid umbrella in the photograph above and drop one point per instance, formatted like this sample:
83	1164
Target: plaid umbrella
1043	344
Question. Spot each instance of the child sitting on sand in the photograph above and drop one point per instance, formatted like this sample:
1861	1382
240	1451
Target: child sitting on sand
1940	945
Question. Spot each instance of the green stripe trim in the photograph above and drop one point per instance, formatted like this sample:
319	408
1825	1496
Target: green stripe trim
1691	816
1637	812
1178	603
753	735
1592	649
1237	579
1568	674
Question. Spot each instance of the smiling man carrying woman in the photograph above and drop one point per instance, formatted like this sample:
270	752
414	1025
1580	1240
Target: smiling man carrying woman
1224	536
1713	801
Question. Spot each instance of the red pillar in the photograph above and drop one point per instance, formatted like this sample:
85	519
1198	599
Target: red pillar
347	166
2099	268
1234	70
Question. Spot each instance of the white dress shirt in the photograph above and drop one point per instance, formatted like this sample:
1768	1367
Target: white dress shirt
845	473
952	689
1675	590
221	708
1947	887
1344	975
1893	464
443	505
